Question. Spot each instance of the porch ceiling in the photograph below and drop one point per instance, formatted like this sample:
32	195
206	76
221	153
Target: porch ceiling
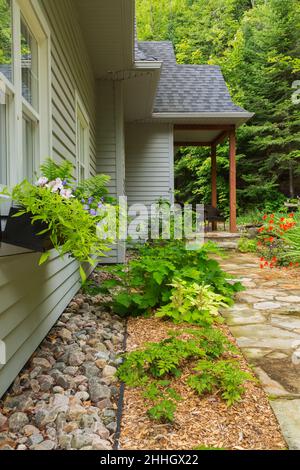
108	30
211	132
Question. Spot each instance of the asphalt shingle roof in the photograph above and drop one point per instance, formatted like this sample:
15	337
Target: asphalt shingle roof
186	88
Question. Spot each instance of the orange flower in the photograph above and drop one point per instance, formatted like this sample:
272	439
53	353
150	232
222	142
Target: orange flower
271	239
291	215
261	266
265	217
262	259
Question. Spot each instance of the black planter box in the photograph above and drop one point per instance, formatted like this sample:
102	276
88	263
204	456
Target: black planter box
19	231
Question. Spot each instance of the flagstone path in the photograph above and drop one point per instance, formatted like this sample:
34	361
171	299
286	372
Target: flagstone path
265	320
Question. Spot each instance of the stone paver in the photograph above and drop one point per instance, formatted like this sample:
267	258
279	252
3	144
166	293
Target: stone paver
265	320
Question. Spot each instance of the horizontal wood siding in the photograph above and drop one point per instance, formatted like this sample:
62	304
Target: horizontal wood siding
33	297
149	150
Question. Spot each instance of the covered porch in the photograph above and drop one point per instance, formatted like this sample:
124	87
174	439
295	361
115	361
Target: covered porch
211	135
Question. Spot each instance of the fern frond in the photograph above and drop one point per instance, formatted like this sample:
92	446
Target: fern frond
51	170
94	186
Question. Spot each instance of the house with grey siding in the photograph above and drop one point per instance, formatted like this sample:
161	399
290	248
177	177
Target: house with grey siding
90	93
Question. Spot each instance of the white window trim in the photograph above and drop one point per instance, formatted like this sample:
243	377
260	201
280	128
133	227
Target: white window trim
33	15
82	115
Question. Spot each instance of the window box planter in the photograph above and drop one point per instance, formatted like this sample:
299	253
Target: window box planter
19	231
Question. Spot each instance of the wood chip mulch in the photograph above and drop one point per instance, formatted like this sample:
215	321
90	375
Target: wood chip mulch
249	424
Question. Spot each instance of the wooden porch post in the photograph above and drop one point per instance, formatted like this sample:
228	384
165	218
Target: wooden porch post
232	180
214	180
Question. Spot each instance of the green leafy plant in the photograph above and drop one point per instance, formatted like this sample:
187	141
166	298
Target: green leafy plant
192	303
224	377
94	187
52	170
247	245
165	399
146	283
163	411
158	360
72	229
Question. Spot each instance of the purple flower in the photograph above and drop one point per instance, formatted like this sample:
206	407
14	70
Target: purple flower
86	207
64	183
90	200
83	201
100	205
93	212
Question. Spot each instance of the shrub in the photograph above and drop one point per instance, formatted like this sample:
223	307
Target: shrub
192	303
246	245
224	377
146	283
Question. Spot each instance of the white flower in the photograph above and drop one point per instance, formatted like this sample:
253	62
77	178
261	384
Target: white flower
55	185
42	181
66	193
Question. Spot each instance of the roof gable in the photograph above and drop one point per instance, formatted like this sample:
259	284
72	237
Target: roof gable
186	88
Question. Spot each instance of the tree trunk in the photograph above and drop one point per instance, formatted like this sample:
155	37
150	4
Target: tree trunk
291	180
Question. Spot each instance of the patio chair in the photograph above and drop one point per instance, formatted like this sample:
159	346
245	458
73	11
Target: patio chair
213	215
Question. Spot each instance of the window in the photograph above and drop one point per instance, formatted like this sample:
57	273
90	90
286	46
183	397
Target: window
82	158
3	139
28	131
29	65
6	56
25	87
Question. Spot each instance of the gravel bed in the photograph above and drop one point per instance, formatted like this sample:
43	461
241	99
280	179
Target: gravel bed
66	395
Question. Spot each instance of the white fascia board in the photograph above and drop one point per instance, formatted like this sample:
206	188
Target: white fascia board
147	64
234	115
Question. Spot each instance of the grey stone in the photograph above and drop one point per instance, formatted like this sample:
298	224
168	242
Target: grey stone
21	447
17	421
64	381
81	439
18	402
41	362
35	439
60	403
112	427
287	413
76	358
102	354
101	444
289	322
264	336
29	430
90	370
65	334
45	445
58	389
44	417
35	386
46	382
271	387
35	372
97	390
109	371
289	298
71	370
267	305
64	441
83	396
